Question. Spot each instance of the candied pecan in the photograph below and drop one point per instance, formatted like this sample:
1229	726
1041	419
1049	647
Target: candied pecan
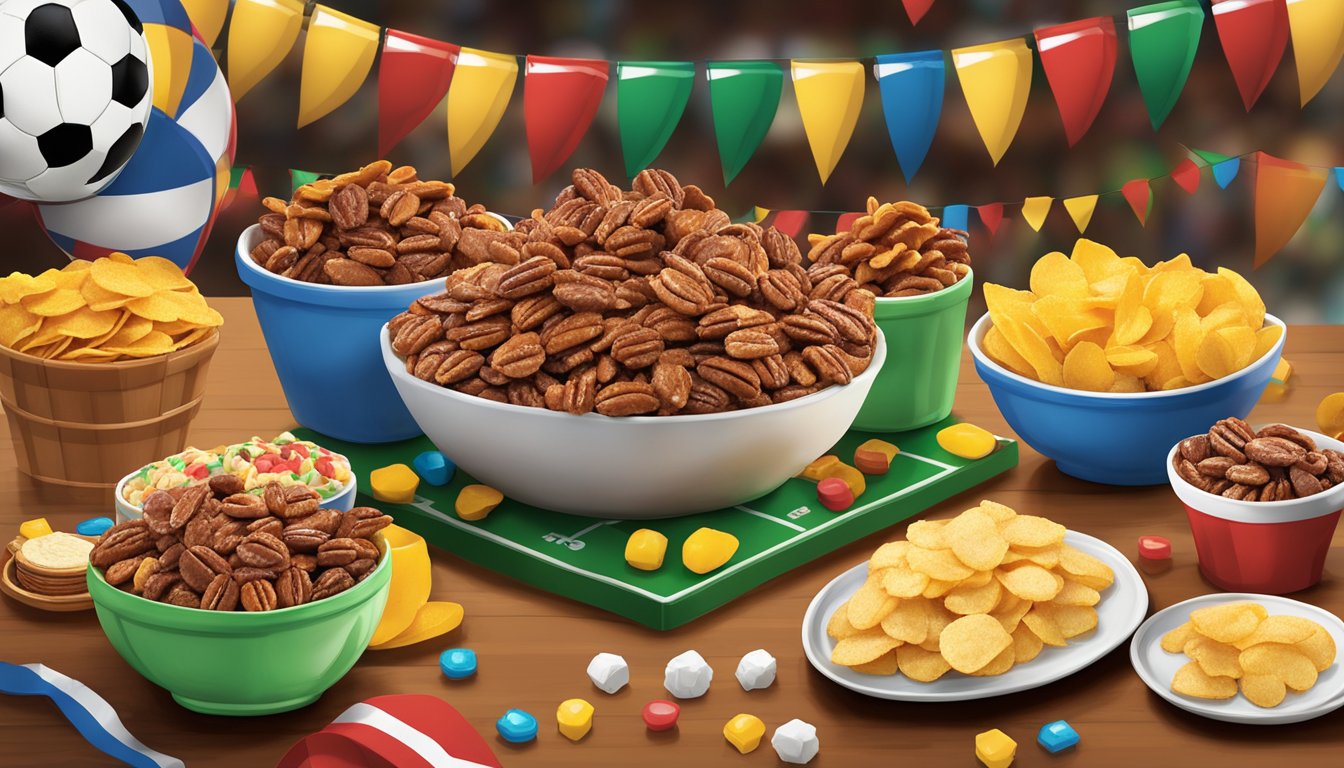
123	571
772	371
652	182
849	323
258	595
121	541
333	581
221	594
626	398
635	346
1274	451
670	324
243	505
518	357
351	272
1287	433
583	293
526	278
750	344
829	363
1217	466
733	376
1247	474
1304	483
457	366
571	331
362	523
1196	449
672	384
706	397
199	565
156	587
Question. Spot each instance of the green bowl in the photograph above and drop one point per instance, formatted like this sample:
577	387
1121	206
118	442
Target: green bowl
240	663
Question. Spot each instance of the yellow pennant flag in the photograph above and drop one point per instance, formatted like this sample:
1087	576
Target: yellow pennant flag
170	51
996	78
208	17
1317	27
1285	193
1035	209
758	214
829	96
337	55
1080	210
260	36
482	85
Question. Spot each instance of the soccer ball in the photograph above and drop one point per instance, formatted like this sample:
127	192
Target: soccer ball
74	96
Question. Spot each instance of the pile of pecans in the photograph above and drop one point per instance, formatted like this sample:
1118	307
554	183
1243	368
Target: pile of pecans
1274	464
894	250
214	547
376	226
647	301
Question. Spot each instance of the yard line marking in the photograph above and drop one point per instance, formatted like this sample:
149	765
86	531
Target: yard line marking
771	518
927	460
593	527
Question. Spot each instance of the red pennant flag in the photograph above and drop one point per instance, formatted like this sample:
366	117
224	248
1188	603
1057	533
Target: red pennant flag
1186	176
1285	193
789	222
916	9
1079	60
560	98
1139	194
845	221
413	75
991	214
1254	34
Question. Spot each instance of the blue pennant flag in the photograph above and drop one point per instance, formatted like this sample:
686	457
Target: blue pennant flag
912	87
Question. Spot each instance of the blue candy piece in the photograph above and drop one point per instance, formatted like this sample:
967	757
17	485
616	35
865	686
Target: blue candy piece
1057	736
94	526
434	468
517	726
458	663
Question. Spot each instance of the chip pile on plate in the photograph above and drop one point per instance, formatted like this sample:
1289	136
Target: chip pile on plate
978	594
1097	322
1240	646
113	308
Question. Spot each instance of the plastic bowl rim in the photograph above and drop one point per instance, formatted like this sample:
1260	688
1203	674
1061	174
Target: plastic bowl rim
930	297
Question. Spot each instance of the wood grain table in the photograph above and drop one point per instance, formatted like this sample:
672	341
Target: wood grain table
533	647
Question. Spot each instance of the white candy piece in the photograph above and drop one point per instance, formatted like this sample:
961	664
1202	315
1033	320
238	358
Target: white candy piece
609	672
756	670
796	742
688	676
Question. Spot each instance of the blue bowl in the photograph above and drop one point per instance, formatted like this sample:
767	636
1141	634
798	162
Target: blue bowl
323	340
1117	438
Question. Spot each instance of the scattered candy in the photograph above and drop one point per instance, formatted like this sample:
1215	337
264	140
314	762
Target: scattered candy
707	549
660	715
475	502
645	549
834	494
819	468
995	749
458	663
609	672
756	670
31	529
434	468
574	718
688	676
744	732
1154	548
874	456
395	484
796	742
94	526
967	441
1283	371
1057	736
517	727
1330	415
851	477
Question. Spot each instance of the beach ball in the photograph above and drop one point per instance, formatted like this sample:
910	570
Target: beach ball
75	95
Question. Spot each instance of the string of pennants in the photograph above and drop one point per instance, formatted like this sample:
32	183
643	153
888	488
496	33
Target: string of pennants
561	95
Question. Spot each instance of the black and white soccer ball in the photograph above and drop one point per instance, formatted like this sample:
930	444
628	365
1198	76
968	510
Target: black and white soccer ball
75	96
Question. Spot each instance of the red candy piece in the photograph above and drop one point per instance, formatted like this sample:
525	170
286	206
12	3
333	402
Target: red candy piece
871	462
197	470
324	467
265	462
834	494
302	450
1154	548
660	715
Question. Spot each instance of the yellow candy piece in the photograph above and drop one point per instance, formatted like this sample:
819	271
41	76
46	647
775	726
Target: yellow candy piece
574	718
410	583
477	501
645	549
816	471
852	477
395	484
1330	414
1283	371
744	732
31	529
967	441
995	749
432	620
707	549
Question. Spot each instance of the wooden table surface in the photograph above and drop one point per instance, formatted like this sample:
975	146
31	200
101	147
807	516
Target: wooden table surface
533	647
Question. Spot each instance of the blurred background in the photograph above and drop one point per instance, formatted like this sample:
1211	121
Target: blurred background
1303	283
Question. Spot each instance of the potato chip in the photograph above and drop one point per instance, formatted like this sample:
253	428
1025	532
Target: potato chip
1071	319
17	324
1026	645
1251	304
1175	640
191	308
120	277
884	665
1085	568
975	540
1097	261
999	664
1010	611
977	579
1086	368
1289	630
1132	318
1032	347
862	647
1031	582
1265	339
927	534
1223	316
920	664
1229	622
1077	593
162	274
938	564
1215	658
1174	285
132	330
889	555
1032	531
1136	361
870	604
938	588
156	307
100	299
1319	648
60	301
909	623
1218	289
18	285
1127	383
1263	690
972	642
151	345
85	323
966	600
1043	625
1215	357
998	348
839	626
1241	340
1190	680
1054	274
998	512
902	582
1285	662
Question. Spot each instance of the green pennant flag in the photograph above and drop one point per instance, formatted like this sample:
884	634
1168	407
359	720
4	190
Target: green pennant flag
298	178
650	99
1162	41
1210	157
744	96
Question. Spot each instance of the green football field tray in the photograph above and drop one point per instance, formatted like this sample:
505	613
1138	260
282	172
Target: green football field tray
584	558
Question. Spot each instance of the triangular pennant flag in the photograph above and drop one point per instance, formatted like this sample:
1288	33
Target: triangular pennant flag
1317	28
261	32
916	9
744	96
1209	157
1186	175
956	216
650	99
758	214
1339	177
208	18
560	99
298	178
996	78
414	74
247	183
844	221
912	86
1035	209
1254	34
1285	193
482	86
1225	171
1162	41
1139	194
1080	210
338	53
790	223
1079	61
991	214
829	95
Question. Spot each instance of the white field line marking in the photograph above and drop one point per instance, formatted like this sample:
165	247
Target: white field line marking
593	527
771	518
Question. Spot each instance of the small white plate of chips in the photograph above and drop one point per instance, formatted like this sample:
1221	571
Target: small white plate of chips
1115	609
1280	640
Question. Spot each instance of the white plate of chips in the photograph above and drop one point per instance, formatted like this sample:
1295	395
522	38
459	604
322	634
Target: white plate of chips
1157	667
1120	610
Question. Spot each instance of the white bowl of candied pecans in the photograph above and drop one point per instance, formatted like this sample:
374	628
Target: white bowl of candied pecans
631	467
